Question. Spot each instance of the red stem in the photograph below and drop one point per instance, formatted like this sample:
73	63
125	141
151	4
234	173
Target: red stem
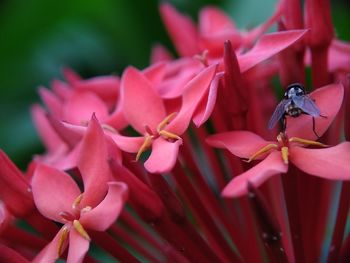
340	224
204	217
109	244
120	233
290	187
319	66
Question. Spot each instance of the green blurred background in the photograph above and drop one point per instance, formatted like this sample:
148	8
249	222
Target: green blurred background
93	37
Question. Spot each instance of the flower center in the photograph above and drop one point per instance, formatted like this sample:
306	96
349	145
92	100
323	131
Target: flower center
72	218
203	57
283	145
150	135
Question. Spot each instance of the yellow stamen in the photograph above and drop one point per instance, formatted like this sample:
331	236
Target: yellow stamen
144	147
263	150
307	142
166	121
203	58
62	239
285	153
77	201
169	135
81	229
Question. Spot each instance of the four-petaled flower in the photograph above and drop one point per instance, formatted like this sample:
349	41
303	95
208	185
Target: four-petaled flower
58	197
329	163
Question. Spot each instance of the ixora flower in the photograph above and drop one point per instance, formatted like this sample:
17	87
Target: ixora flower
147	113
96	208
67	206
329	163
214	28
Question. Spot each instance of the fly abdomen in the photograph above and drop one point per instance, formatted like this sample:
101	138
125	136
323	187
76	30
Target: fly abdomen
293	111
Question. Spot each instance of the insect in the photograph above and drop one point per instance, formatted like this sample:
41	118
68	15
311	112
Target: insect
295	103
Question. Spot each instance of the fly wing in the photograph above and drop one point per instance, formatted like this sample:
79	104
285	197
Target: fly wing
307	105
278	113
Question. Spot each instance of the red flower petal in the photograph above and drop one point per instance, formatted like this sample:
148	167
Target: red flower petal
240	143
70	75
194	93
142	105
163	156
78	247
155	73
53	191
160	53
127	144
93	165
330	163
50	251
52	102
14	187
328	99
186	39
106	87
267	46
204	113
257	175
47	134
102	216
82	105
216	28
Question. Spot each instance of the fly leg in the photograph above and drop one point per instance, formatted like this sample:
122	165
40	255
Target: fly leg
314	127
284	123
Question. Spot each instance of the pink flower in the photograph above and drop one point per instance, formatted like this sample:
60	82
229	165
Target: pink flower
266	47
329	163
58	198
147	113
76	101
214	28
96	208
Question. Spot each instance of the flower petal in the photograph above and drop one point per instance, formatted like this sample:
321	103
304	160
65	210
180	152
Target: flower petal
52	102
195	91
267	46
216	28
50	252
53	191
93	164
257	175
106	87
328	99
14	187
142	105
240	143
155	73
163	156
47	134
102	216
203	114
330	163
127	144
213	20
70	75
186	39
160	53
82	105
78	247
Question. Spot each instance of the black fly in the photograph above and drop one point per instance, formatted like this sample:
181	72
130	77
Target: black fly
295	103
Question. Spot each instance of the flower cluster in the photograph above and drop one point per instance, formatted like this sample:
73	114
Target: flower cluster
131	165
